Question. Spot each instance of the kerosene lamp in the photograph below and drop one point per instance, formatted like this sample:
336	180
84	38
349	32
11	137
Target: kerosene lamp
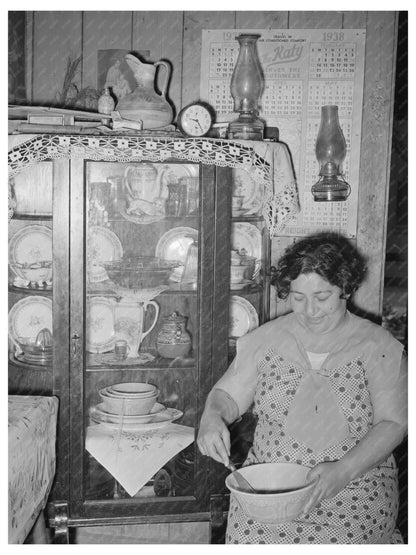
247	86
330	151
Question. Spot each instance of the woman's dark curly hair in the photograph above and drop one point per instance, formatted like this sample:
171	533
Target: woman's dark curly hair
329	255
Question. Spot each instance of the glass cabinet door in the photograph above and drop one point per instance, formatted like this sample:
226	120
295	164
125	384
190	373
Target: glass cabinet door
30	281
145	295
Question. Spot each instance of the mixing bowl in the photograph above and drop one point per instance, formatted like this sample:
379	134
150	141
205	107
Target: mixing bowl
281	491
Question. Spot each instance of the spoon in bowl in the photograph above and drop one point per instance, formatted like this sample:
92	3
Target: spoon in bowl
239	478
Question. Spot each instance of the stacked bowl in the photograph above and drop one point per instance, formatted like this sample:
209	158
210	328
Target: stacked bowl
129	399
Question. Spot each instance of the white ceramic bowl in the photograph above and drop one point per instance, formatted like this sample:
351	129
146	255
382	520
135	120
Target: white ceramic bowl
132	389
282	487
128	405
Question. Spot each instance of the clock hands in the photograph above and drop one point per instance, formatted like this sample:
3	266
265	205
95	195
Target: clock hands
197	121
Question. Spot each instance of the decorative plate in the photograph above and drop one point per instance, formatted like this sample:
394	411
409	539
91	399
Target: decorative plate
103	245
243	317
245	185
159	421
246	236
28	316
100	324
174	244
32	243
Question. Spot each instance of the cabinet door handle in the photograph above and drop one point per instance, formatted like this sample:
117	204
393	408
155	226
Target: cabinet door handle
75	338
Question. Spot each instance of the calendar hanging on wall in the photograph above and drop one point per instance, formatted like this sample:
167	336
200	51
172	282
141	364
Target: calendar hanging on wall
304	70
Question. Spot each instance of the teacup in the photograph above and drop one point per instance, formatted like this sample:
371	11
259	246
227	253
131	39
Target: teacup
237	273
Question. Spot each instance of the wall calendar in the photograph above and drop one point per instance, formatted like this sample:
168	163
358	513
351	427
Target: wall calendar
304	69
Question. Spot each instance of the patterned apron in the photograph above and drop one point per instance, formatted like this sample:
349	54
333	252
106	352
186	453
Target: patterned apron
363	512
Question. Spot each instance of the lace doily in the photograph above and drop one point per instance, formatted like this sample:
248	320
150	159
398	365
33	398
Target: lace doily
271	167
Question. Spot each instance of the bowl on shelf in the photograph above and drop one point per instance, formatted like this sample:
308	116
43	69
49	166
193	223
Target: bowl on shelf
132	389
128	405
139	271
281	491
39	272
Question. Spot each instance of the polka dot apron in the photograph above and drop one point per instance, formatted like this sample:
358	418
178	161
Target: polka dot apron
363	512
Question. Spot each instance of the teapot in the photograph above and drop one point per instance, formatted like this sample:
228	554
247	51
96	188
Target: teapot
144	104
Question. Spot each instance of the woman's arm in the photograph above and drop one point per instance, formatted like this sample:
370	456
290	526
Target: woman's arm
214	437
378	443
372	450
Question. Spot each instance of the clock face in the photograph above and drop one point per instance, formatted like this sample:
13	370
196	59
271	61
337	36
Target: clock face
195	120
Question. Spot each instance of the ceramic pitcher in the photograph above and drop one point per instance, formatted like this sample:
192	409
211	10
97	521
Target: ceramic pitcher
130	317
144	104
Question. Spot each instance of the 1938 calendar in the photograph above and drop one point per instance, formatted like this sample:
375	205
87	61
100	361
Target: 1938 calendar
304	69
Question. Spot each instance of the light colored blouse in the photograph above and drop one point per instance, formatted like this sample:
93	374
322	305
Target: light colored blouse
354	337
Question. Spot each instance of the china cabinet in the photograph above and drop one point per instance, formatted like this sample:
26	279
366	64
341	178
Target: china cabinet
132	260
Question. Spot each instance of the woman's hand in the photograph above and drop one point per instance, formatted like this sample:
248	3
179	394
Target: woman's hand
330	479
214	438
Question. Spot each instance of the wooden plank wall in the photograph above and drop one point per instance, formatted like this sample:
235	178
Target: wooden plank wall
176	36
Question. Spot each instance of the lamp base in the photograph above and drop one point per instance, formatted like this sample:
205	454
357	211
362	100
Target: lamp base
247	126
331	188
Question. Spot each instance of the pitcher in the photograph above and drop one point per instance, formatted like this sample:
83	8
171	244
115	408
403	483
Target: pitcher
129	323
144	104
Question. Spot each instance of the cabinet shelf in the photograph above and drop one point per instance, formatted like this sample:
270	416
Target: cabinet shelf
30	290
32	217
28	365
98	362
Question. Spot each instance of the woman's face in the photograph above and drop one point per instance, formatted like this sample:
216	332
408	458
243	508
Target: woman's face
316	303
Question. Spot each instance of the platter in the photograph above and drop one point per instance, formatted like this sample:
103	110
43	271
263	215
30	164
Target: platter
246	236
100	330
103	245
29	316
243	317
31	244
174	244
160	420
245	185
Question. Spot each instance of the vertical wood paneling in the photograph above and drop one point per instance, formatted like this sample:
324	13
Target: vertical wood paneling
262	20
194	22
162	33
375	153
354	20
315	20
57	35
102	31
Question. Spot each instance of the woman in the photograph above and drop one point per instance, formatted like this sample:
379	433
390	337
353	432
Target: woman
330	392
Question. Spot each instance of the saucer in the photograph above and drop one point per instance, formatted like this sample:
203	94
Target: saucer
239	212
241	285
